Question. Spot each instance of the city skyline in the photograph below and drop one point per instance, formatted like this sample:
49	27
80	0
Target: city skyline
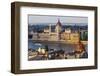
47	44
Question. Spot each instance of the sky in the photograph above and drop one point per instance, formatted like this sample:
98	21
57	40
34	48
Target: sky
35	19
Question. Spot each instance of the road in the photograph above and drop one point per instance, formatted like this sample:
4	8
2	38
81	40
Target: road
38	57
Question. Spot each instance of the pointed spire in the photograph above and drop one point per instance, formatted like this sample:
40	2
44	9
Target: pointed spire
58	20
58	23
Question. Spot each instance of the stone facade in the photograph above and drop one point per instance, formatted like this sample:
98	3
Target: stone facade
58	35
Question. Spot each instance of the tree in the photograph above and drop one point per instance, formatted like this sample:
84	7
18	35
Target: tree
46	47
85	36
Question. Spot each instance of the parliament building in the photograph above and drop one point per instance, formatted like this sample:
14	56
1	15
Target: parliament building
67	35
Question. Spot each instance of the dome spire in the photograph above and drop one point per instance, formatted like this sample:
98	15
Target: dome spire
58	23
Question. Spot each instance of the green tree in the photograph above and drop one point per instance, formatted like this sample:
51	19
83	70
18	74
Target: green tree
46	47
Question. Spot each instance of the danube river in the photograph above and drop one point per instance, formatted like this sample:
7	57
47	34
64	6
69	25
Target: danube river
52	45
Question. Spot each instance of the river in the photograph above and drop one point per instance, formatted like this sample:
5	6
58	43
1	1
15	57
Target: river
52	45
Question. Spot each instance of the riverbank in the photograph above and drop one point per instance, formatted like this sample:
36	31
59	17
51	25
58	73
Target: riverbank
58	42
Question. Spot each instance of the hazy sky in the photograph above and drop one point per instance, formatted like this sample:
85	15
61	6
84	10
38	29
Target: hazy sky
34	19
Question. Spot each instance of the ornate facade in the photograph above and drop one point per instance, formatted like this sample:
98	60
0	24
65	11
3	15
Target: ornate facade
66	36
